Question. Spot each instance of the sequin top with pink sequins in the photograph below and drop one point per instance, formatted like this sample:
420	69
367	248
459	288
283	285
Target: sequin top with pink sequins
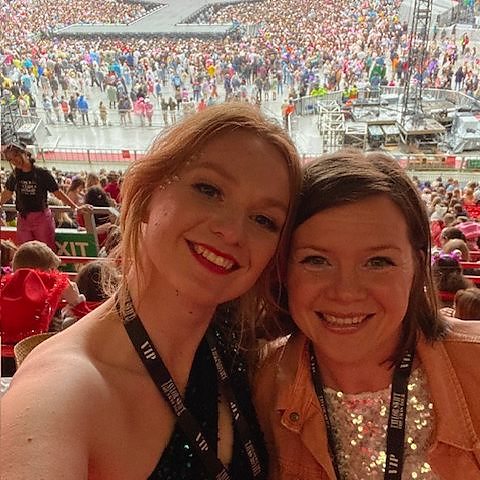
360	431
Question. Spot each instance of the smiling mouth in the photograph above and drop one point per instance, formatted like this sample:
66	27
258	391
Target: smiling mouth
213	259
344	323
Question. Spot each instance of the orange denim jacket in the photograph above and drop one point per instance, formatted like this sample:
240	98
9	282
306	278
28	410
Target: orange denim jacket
292	420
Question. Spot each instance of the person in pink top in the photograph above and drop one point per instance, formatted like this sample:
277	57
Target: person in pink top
139	110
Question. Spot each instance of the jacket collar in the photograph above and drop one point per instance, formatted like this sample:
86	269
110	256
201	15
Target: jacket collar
454	424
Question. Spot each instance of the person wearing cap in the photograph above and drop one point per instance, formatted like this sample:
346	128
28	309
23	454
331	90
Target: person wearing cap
31	185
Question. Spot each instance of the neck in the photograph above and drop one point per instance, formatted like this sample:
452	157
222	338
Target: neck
358	377
175	327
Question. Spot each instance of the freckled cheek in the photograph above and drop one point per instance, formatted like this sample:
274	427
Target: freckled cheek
159	216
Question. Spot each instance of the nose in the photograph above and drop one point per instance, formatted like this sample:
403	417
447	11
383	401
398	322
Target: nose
346	286
229	223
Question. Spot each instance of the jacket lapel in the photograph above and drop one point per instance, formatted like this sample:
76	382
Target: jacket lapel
298	403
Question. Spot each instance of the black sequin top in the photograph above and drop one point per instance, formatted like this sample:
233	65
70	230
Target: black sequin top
179	460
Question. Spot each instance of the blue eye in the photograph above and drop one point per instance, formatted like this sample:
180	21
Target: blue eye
314	261
207	190
380	262
266	223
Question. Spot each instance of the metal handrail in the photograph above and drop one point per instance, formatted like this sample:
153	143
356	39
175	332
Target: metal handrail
425	161
306	105
88	216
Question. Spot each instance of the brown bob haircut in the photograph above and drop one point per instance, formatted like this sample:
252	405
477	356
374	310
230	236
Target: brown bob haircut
166	158
467	304
350	175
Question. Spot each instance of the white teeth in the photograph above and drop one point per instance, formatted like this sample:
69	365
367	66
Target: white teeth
343	321
211	257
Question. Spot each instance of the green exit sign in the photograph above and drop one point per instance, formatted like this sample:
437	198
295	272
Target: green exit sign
75	244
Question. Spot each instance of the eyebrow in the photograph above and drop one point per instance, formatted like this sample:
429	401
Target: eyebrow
224	173
216	168
369	250
385	247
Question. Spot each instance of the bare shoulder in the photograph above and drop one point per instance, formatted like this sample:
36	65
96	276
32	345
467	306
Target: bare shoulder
54	404
64	364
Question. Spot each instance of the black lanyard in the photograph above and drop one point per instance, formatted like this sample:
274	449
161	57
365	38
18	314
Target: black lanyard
396	418
187	422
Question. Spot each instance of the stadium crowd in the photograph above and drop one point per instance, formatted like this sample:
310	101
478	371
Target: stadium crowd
23	21
298	49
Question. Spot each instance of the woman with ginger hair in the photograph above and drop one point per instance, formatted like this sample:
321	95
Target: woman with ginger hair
206	220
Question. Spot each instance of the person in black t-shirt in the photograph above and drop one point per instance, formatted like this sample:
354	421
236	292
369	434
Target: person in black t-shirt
31	185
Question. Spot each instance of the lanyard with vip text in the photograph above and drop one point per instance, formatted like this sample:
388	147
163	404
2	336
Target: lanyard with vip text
396	418
187	422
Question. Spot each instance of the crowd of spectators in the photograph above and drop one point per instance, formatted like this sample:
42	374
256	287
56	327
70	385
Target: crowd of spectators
454	211
359	44
295	49
35	265
24	21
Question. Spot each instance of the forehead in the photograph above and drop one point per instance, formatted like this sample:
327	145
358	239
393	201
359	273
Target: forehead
237	151
376	219
13	153
243	159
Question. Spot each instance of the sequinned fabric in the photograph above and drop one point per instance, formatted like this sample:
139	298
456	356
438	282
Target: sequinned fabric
179	461
360	431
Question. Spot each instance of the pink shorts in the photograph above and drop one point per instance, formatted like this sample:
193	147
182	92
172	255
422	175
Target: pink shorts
37	226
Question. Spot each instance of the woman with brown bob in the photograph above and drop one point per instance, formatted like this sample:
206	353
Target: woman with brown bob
152	384
373	382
